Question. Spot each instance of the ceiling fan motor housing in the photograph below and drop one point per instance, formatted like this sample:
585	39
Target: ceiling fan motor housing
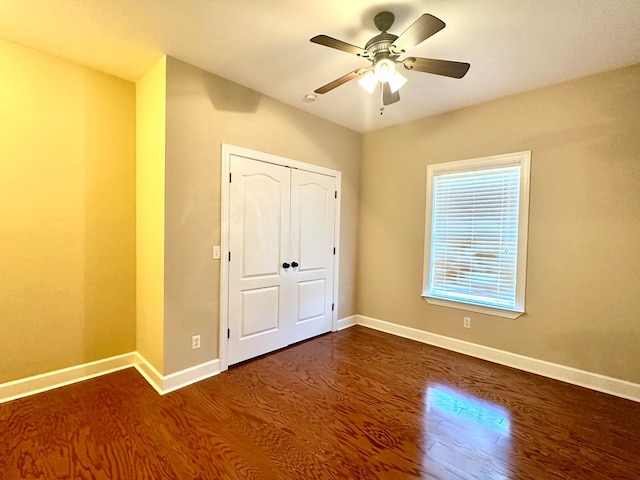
380	46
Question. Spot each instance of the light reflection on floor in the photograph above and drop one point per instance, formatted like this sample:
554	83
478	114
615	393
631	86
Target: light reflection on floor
468	437
489	415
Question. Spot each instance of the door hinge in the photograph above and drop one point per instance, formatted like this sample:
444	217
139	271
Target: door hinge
229	256
336	195
334	250
229	177
228	333
332	306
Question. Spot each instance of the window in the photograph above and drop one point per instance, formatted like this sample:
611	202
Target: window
476	234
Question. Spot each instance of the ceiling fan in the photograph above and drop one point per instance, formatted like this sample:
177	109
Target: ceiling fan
384	51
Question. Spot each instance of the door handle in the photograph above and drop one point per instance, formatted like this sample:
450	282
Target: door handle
285	265
294	264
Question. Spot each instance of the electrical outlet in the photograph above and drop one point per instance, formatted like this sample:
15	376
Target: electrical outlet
466	322
195	342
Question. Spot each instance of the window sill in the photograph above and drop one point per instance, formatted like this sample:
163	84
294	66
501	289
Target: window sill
497	312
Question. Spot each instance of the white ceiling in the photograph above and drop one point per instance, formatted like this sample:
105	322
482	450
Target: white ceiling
513	46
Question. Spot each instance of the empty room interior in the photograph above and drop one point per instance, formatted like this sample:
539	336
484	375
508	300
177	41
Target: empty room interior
295	240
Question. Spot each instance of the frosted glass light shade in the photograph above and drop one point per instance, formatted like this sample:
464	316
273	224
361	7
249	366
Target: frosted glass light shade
384	69
396	81
368	82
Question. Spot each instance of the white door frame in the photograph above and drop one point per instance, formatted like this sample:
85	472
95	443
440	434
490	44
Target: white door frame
227	151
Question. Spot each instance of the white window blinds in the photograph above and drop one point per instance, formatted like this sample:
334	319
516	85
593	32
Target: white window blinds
474	235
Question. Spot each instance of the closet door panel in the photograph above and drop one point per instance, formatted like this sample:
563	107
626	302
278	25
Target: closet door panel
312	243
260	203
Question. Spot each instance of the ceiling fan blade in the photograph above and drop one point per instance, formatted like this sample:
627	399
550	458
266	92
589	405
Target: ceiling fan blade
419	31
389	97
446	68
338	45
339	81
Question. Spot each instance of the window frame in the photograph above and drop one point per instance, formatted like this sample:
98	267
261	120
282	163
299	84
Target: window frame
521	159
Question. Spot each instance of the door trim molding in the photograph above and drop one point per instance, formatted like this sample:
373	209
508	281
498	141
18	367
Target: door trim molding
227	151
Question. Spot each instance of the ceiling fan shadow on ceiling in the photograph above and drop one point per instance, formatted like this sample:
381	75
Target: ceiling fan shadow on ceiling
384	52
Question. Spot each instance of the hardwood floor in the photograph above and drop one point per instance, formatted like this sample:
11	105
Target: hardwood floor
357	404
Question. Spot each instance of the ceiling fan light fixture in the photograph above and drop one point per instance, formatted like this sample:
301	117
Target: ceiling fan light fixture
368	82
384	69
396	81
384	50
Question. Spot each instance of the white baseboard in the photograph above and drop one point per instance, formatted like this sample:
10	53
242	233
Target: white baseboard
59	378
168	383
582	378
347	322
148	371
165	384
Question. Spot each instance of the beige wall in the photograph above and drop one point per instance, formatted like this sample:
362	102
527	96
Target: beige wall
583	290
67	219
204	111
150	210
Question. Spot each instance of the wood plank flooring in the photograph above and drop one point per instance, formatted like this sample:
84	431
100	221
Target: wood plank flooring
357	404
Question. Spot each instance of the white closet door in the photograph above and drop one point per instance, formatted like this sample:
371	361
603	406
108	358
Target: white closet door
260	318
281	241
312	248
